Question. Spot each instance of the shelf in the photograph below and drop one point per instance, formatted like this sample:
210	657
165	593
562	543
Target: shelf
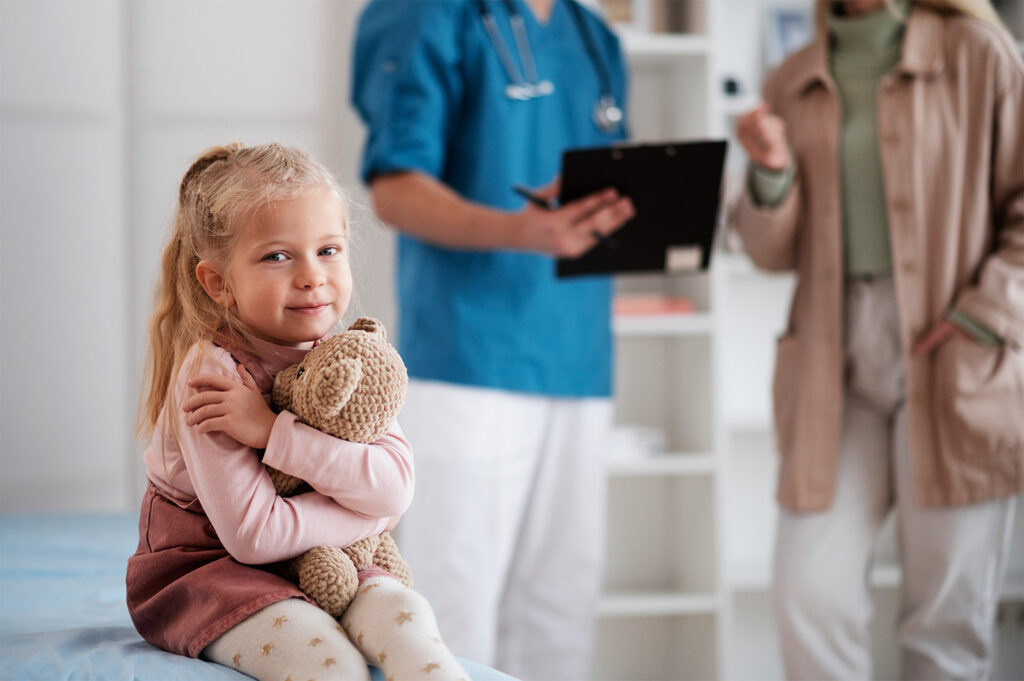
642	45
757	577
737	262
664	464
689	324
749	424
737	106
656	604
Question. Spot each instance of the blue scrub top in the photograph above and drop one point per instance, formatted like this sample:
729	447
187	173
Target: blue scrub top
430	86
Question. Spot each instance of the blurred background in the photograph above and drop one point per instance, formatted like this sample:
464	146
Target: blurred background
103	105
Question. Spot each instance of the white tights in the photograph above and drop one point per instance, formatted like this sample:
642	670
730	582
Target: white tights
388	625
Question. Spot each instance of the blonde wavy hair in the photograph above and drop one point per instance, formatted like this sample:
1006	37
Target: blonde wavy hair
222	188
979	9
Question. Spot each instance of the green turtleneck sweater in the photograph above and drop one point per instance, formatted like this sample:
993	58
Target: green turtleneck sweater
864	49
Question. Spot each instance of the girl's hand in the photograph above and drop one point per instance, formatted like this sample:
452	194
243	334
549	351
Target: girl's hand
763	136
575	228
238	409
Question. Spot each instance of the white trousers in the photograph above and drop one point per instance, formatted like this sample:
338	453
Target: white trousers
952	559
505	535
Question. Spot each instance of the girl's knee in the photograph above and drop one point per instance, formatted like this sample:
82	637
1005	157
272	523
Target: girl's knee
291	638
386	593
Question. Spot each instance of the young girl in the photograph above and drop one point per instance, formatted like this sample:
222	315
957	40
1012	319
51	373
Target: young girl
256	271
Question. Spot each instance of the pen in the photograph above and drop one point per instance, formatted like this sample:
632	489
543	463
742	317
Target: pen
532	198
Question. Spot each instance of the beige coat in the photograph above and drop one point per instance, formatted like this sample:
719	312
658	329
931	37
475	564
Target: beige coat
951	130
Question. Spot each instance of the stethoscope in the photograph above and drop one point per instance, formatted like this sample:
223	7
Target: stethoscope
607	114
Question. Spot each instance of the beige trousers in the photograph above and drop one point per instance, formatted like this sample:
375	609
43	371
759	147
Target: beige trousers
952	559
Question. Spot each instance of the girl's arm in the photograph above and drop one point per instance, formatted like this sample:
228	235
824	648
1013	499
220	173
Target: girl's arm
254	524
373	479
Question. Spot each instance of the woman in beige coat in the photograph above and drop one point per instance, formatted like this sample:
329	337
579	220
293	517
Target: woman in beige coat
888	171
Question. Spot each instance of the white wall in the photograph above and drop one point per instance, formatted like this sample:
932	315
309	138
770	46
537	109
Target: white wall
104	104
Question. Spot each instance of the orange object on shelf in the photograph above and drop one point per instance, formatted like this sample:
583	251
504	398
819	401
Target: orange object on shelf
633	304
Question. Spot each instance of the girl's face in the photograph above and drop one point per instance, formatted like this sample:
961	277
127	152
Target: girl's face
289	278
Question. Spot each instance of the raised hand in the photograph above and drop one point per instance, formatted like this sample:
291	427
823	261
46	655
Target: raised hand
763	136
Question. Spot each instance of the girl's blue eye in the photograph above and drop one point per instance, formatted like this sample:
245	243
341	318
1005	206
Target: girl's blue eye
329	250
274	257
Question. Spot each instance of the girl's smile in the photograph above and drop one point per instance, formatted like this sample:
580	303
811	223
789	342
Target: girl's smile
313	309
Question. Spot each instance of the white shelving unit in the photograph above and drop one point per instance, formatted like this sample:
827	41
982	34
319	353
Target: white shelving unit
691	524
661	614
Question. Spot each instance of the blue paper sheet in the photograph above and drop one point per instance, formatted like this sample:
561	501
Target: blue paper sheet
62	606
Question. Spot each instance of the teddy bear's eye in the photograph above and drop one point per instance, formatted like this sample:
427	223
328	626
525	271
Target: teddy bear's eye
301	371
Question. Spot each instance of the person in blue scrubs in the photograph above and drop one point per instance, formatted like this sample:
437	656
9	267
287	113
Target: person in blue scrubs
510	367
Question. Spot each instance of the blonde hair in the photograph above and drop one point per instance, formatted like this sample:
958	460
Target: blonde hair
979	9
222	188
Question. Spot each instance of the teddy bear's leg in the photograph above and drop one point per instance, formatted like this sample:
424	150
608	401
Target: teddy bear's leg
327	576
361	553
388	557
285	485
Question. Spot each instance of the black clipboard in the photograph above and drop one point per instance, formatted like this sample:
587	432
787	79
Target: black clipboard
676	189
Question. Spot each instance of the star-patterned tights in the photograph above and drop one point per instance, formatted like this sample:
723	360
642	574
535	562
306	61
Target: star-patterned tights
387	624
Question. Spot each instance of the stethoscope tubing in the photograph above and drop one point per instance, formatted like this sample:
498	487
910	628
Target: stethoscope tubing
526	84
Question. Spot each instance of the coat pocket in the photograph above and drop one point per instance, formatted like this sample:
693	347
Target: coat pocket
785	393
979	394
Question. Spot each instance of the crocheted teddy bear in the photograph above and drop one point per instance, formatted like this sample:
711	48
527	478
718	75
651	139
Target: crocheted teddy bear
350	386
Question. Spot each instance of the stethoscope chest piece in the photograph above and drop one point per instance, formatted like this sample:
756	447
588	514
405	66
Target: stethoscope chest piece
607	114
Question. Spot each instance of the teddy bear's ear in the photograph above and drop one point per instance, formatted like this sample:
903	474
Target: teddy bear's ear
283	387
332	386
370	325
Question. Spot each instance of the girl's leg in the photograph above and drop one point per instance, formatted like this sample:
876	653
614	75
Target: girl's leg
821	593
954	560
290	638
395	629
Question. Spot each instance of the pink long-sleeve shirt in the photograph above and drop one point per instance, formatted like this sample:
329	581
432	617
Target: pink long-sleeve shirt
357	487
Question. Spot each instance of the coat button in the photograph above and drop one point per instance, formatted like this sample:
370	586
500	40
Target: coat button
891	139
900	204
908	267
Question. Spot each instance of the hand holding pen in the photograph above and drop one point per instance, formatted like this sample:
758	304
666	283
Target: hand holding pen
571	230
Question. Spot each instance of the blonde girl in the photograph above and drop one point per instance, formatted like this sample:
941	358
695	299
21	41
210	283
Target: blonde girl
256	271
888	172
